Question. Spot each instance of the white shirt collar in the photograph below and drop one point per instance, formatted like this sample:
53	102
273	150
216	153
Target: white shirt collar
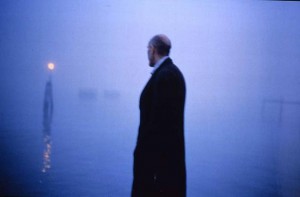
158	63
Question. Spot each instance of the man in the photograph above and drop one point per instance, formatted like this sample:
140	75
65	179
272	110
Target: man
159	156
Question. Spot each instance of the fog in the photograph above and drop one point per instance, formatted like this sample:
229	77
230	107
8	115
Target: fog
240	61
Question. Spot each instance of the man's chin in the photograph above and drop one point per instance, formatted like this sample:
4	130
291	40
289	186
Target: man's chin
151	64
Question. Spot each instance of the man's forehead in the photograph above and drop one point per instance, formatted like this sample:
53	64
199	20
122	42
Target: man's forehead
150	45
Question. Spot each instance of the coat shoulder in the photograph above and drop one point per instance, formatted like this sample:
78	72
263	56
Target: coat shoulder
169	70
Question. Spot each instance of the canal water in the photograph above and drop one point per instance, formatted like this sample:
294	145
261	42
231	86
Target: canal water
86	150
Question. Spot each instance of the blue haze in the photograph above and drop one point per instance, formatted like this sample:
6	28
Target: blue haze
241	62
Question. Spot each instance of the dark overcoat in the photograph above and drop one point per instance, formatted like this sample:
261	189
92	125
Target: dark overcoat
159	156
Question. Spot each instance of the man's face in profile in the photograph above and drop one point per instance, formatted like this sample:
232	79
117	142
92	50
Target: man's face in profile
150	52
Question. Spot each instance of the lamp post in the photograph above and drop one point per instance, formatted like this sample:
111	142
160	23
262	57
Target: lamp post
47	119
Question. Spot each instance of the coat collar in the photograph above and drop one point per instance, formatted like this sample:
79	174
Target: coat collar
161	63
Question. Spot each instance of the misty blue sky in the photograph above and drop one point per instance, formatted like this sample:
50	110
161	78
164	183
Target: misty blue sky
228	51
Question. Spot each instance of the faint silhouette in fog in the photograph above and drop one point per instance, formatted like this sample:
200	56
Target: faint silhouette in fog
88	94
47	119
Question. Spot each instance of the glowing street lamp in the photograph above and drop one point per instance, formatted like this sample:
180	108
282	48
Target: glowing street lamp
51	66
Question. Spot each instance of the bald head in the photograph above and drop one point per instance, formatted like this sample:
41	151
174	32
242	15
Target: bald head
162	44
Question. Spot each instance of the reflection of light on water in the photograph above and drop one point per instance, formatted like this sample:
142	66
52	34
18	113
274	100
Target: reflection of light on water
47	154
